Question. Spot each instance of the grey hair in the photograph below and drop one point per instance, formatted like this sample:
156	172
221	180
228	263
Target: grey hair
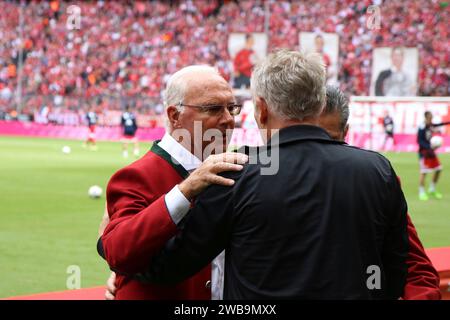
176	88
292	83
337	101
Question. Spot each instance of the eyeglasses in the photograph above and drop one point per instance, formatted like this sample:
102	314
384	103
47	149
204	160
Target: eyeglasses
215	109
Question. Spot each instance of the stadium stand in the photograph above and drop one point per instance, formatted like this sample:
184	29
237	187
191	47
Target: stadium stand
127	50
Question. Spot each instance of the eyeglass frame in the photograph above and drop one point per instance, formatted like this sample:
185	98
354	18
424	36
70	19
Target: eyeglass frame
206	107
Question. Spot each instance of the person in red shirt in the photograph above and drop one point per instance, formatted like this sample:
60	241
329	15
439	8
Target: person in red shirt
243	63
422	282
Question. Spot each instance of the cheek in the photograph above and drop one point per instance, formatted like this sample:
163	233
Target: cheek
210	123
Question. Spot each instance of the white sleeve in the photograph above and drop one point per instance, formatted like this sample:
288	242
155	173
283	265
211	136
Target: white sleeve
176	204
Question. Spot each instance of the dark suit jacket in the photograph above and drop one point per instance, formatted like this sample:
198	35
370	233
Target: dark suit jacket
313	230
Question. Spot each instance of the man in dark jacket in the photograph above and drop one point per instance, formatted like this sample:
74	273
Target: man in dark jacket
309	217
422	281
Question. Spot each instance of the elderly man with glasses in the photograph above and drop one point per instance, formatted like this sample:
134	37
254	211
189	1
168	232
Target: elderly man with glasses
147	200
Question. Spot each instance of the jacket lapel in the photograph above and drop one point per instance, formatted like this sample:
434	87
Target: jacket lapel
156	149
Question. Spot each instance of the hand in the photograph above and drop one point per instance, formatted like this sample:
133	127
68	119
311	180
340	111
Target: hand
110	293
104	223
207	173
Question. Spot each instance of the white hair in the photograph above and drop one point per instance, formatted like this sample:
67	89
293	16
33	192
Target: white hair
292	84
176	86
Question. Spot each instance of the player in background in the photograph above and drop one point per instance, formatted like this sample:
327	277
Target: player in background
92	119
388	125
428	160
129	126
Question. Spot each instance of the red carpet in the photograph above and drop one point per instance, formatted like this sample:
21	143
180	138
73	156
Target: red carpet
97	293
439	256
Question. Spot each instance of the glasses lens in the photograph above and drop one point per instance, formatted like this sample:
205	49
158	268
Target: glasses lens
234	109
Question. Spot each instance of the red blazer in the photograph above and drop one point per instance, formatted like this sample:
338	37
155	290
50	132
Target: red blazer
140	225
422	280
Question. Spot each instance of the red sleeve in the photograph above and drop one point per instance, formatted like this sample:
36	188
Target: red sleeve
140	222
422	281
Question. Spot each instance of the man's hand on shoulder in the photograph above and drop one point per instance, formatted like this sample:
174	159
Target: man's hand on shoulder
208	173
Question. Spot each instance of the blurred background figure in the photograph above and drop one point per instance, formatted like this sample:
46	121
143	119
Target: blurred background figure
394	82
92	119
319	43
428	160
129	126
243	63
388	125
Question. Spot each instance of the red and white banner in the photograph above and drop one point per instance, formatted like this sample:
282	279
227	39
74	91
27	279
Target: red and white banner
366	121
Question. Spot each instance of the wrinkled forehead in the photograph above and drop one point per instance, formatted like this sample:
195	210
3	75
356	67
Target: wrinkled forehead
207	88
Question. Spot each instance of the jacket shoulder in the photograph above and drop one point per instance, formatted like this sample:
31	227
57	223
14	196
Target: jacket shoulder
144	171
367	156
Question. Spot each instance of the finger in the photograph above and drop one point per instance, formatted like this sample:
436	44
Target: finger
225	166
110	284
231	157
111	287
213	179
109	296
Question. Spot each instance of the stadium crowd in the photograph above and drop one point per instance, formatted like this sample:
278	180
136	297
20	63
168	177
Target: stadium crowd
125	51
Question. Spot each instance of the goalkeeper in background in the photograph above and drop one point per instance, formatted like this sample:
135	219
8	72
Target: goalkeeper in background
428	159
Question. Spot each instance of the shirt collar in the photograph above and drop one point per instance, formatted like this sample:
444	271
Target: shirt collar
178	153
299	133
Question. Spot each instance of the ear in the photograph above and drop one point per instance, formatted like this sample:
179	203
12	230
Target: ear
173	114
346	130
262	111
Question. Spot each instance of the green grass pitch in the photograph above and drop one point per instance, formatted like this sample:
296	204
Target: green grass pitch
48	222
